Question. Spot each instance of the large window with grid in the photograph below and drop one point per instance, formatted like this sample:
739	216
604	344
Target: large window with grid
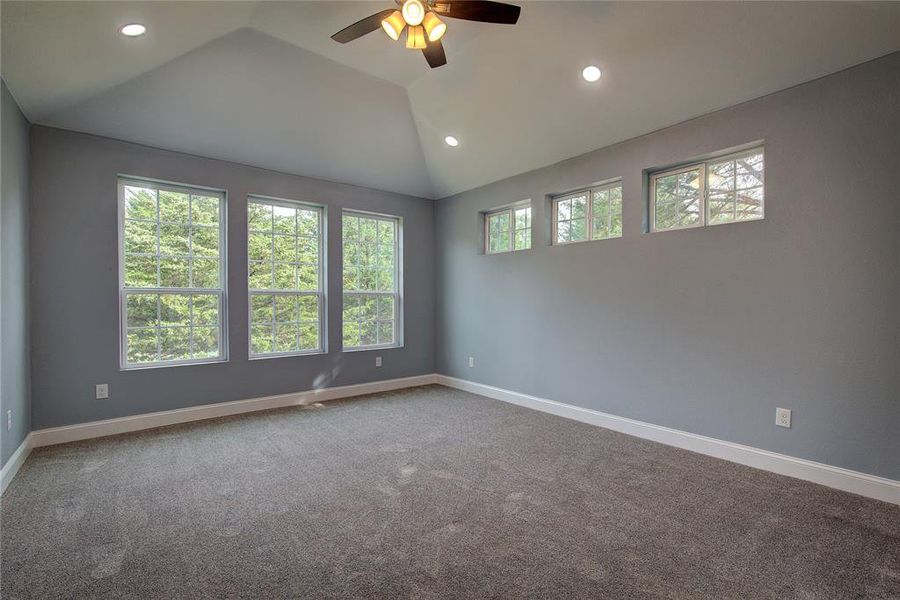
284	252
590	214
508	229
372	281
722	190
171	275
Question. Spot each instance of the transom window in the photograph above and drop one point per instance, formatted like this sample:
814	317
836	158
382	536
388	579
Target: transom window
284	252
371	280
591	214
171	276
722	190
508	229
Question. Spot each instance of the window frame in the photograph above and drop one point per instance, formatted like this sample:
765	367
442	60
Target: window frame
511	209
322	293
589	215
123	180
397	294
703	167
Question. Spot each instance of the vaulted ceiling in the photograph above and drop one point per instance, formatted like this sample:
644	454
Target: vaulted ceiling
262	83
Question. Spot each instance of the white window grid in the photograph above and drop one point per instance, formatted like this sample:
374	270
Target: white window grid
585	195
280	293
511	213
353	298
191	292
704	192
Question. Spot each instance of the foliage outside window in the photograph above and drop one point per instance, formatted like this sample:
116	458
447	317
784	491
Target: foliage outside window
171	282
508	229
722	190
591	214
371	281
284	250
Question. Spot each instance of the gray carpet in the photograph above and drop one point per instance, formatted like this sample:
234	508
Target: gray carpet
427	493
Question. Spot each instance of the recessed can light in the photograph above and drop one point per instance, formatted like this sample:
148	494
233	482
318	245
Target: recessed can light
451	141
591	73
132	30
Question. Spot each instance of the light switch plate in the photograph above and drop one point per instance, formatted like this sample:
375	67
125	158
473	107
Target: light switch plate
102	391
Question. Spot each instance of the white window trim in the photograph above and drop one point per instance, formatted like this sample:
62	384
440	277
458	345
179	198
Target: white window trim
511	209
398	282
221	292
704	192
605	185
322	293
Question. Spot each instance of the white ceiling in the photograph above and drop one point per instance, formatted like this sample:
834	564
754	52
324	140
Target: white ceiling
262	82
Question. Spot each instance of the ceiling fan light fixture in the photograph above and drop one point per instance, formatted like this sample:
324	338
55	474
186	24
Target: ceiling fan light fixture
393	25
415	37
434	27
413	12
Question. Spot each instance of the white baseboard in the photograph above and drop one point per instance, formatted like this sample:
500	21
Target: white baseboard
83	431
855	482
15	462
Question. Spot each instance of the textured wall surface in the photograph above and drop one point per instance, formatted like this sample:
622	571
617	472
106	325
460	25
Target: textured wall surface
14	335
74	283
709	330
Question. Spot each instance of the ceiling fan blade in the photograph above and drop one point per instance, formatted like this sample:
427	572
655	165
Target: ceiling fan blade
361	28
479	10
434	54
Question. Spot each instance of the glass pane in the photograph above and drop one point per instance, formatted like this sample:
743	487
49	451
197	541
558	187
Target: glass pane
578	229
205	309
142	346
284	248
140	237
286	309
720	177
563	232
351	334
140	203
749	171
749	204
350	229
523	239
175	343
173	272
386	232
174	206
368	230
140	271
175	310
205	273
262	308
579	207
259	246
309	336
385	307
385	281
309	308
141	310
564	210
721	208
261	339
307	278
205	241
285	276
367	307
260	275
259	217
205	342
367	279
615	209
523	218
287	337
367	333
284	220
173	240
350	308
205	210
308	250
308	222
385	332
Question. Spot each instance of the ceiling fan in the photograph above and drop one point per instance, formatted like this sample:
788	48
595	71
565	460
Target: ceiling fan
422	21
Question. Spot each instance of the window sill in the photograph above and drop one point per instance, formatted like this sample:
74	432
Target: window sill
168	365
368	348
285	354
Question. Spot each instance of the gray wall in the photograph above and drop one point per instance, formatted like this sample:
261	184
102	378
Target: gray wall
74	284
709	330
14	345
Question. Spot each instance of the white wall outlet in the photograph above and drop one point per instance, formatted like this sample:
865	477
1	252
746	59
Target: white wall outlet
471	361
9	419
102	392
377	361
783	417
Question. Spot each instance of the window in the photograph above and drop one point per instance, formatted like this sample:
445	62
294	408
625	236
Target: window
722	190
284	260
171	275
591	214
508	229
372	281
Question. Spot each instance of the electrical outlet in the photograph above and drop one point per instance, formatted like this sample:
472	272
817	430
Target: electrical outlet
471	361
783	417
9	419
377	361
102	391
